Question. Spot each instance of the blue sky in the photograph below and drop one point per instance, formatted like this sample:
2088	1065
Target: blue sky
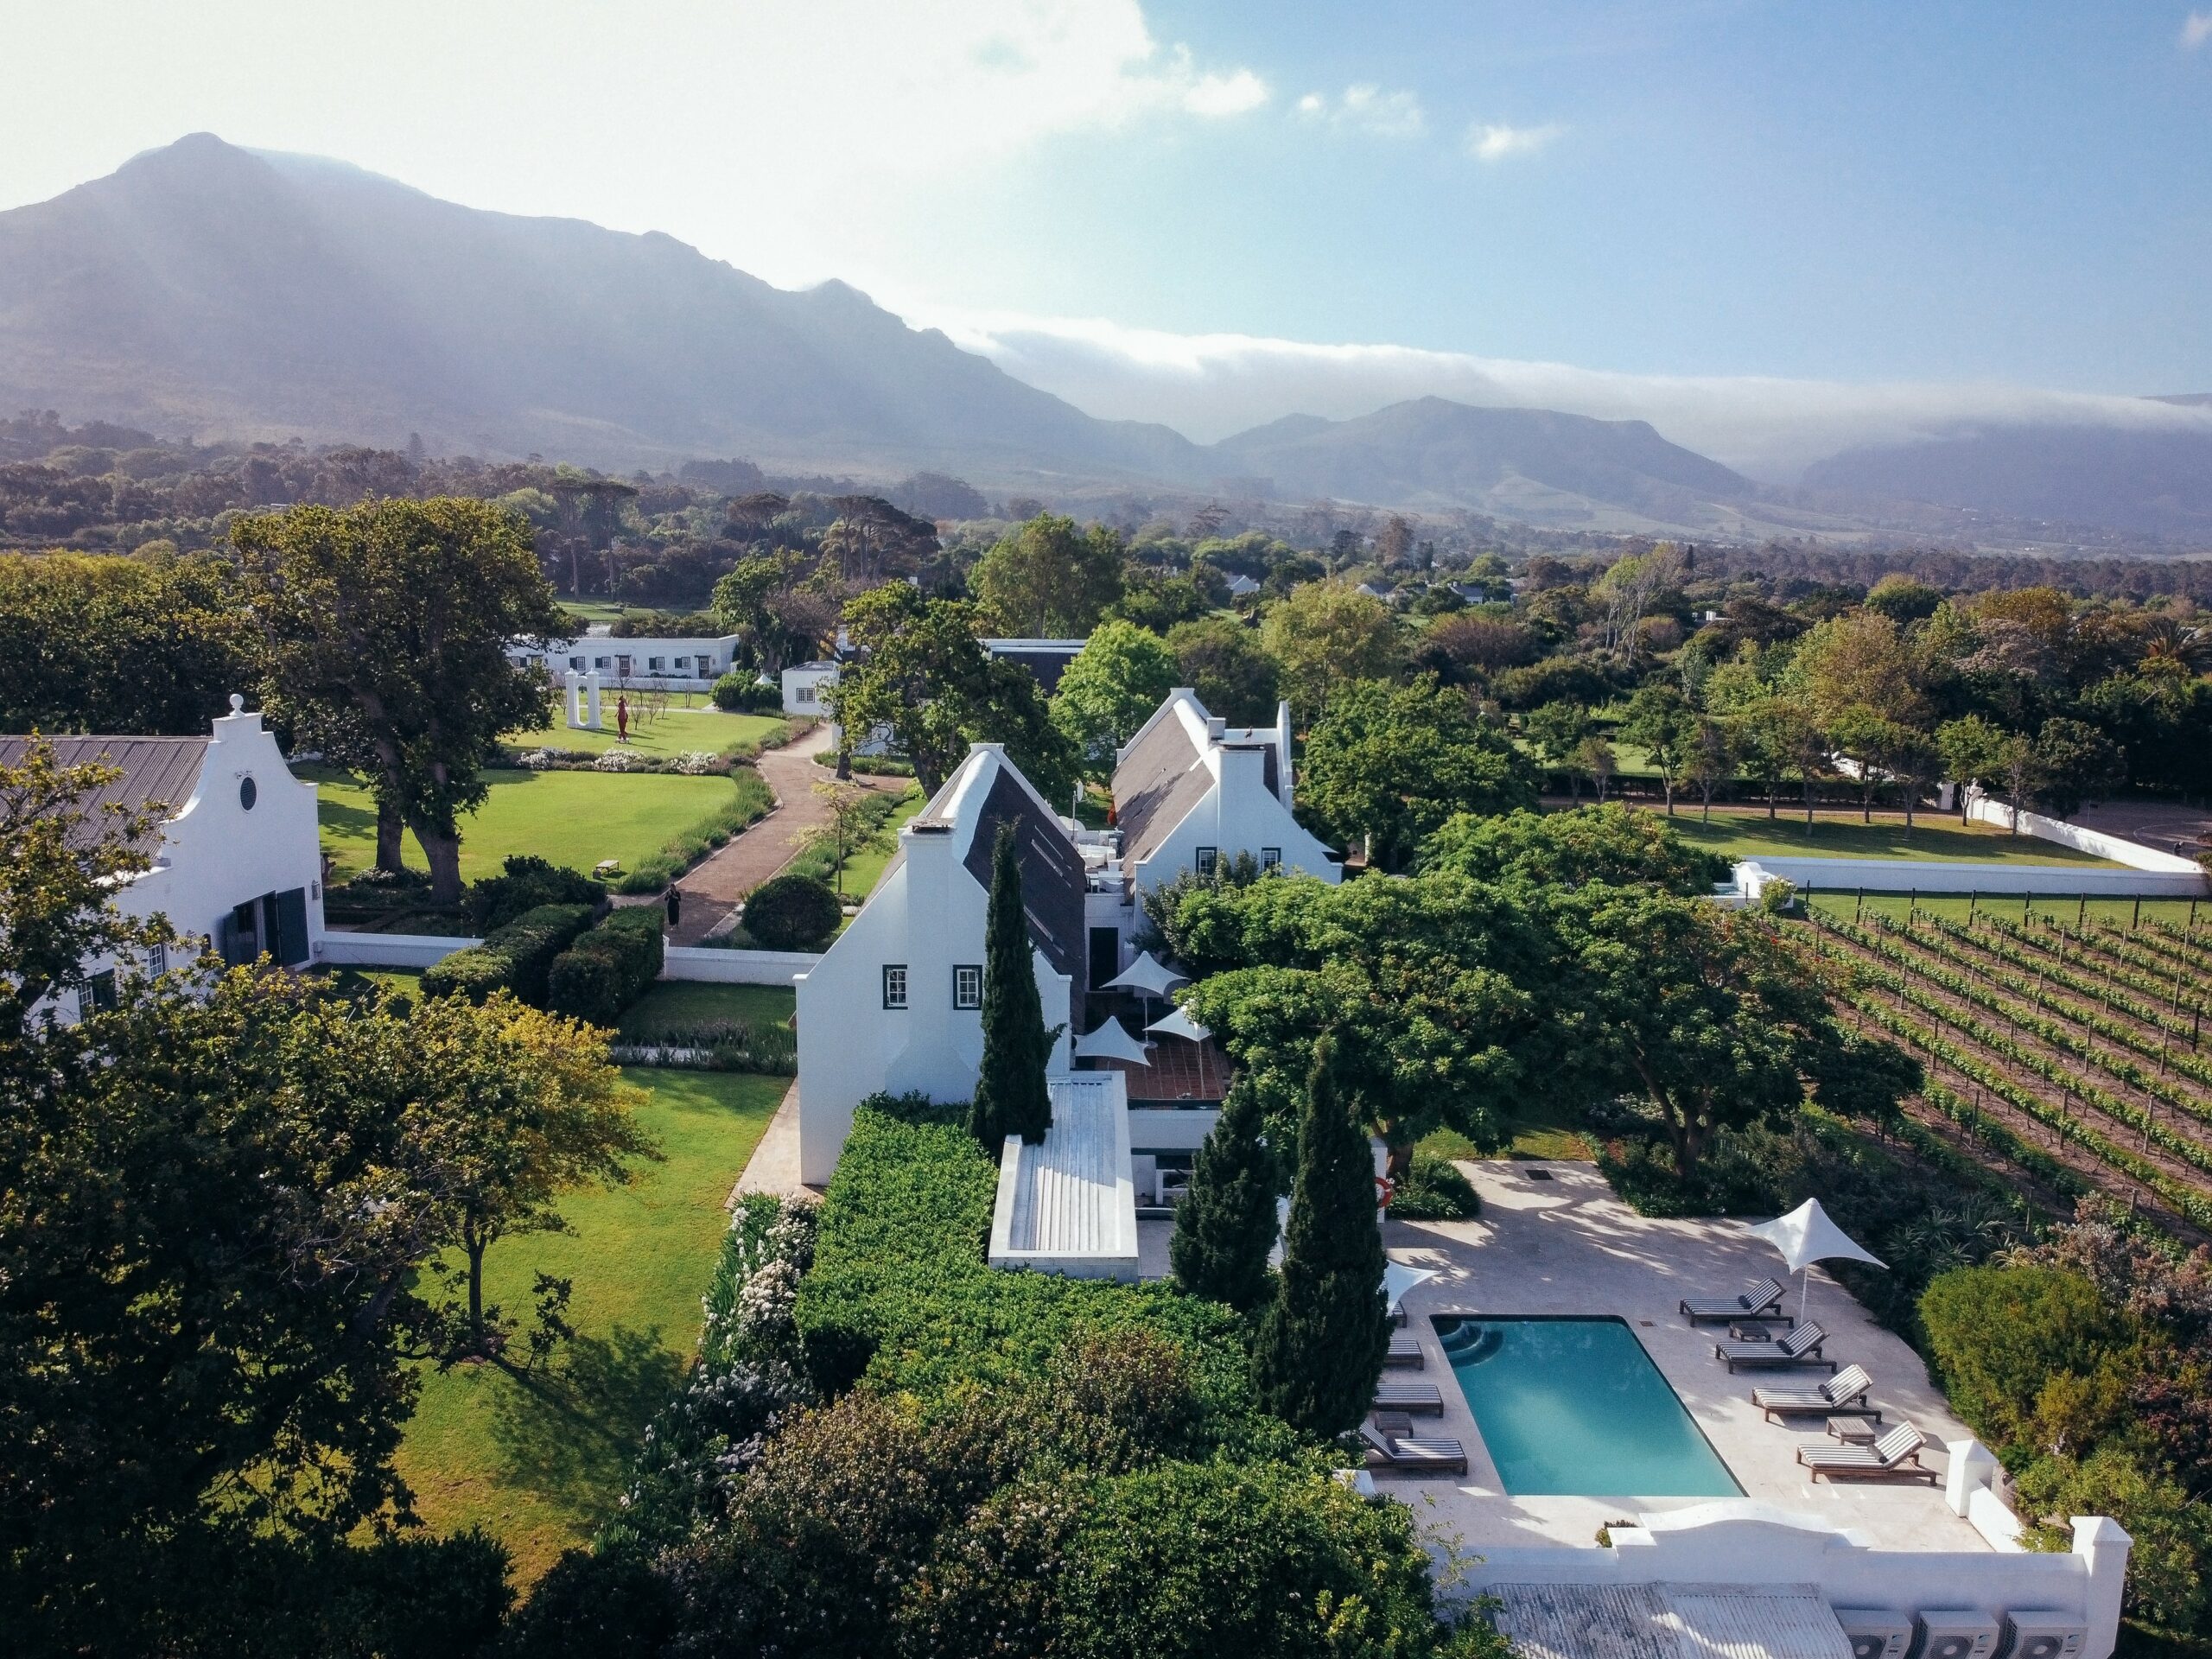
1764	225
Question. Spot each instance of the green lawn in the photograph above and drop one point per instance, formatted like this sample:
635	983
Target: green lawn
675	731
540	1460
1934	838
1544	1131
861	874
685	1005
574	818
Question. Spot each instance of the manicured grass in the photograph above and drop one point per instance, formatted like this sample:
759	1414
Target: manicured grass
539	1459
1746	835
573	818
588	611
2063	907
1544	1131
861	874
680	1005
675	731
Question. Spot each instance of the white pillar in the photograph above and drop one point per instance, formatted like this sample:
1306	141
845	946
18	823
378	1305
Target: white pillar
2103	1546
591	700
1972	1465
572	693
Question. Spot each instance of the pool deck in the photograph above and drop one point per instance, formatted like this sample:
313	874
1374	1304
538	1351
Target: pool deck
1569	1246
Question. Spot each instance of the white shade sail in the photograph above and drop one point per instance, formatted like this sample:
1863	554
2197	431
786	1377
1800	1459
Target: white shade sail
1806	1235
1146	976
1397	1279
1179	1023
1111	1042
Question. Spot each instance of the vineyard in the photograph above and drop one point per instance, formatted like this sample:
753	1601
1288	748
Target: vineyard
2072	1052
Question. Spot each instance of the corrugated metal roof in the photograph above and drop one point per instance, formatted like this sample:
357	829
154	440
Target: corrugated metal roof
156	770
1670	1621
1068	1200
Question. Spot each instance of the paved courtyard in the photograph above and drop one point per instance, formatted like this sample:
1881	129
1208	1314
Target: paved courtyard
1568	1246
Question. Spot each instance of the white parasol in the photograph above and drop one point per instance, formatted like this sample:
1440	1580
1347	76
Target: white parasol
1111	1042
1146	976
1805	1236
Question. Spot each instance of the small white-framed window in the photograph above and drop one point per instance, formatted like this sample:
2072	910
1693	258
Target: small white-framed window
894	984
576	663
603	662
683	663
805	692
1271	858
654	664
157	960
968	985
1208	860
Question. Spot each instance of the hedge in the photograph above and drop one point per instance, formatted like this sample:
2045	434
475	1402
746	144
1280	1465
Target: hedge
740	692
526	882
609	968
516	958
901	1296
792	912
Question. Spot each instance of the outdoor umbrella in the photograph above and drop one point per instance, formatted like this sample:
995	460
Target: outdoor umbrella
1146	976
1398	1279
1111	1042
1806	1236
1179	1023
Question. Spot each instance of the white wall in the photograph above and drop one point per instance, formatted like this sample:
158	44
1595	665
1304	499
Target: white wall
344	949
1983	809
805	687
693	961
1239	814
718	652
929	914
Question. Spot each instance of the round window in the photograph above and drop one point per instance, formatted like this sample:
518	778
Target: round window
247	793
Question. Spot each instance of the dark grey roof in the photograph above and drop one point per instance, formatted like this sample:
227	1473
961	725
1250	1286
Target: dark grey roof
1162	779
1045	659
161	771
1052	871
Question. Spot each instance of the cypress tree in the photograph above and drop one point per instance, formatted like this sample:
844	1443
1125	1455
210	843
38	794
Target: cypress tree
1010	1096
1225	1224
1321	1345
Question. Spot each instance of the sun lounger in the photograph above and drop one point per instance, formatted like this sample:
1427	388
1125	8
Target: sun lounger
1843	1394
1413	1454
1801	1347
1404	1355
1762	1301
1897	1452
1420	1397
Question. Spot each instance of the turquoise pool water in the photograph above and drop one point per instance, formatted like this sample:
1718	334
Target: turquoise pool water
1576	1407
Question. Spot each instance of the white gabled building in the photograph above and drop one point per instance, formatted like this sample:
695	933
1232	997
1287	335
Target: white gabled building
896	1002
240	861
633	665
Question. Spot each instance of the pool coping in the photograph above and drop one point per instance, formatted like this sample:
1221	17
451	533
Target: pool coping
1657	1370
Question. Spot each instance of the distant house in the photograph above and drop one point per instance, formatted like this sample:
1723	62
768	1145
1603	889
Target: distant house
1241	587
634	664
806	685
896	1002
237	864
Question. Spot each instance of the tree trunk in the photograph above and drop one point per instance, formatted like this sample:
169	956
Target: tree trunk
391	828
476	1248
1399	1158
1808	806
1773	798
441	849
1668	784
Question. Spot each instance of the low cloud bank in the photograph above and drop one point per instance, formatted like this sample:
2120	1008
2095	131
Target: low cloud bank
1208	386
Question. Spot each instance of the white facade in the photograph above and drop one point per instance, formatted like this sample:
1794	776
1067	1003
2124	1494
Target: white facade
888	1008
634	664
806	687
239	867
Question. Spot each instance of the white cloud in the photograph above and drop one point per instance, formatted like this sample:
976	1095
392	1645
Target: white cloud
1494	141
1229	94
2195	29
1369	108
1210	386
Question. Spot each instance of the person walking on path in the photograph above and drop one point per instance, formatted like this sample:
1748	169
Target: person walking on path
621	720
675	906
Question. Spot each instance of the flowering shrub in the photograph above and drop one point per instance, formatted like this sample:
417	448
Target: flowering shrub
621	760
696	763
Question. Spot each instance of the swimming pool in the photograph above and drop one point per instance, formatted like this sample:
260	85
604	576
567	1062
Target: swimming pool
1574	1407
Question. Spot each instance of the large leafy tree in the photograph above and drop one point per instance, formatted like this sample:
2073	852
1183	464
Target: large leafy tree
1011	1097
1122	674
1225	1224
1661	722
99	642
1321	1345
1049	580
1389	764
394	617
1611	845
1702	1013
926	681
1978	750
1433	988
1225	664
1325	635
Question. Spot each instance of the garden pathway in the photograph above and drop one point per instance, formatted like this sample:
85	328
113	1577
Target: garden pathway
718	884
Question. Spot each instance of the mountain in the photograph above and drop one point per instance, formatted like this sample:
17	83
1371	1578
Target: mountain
2152	481
247	294
1531	464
